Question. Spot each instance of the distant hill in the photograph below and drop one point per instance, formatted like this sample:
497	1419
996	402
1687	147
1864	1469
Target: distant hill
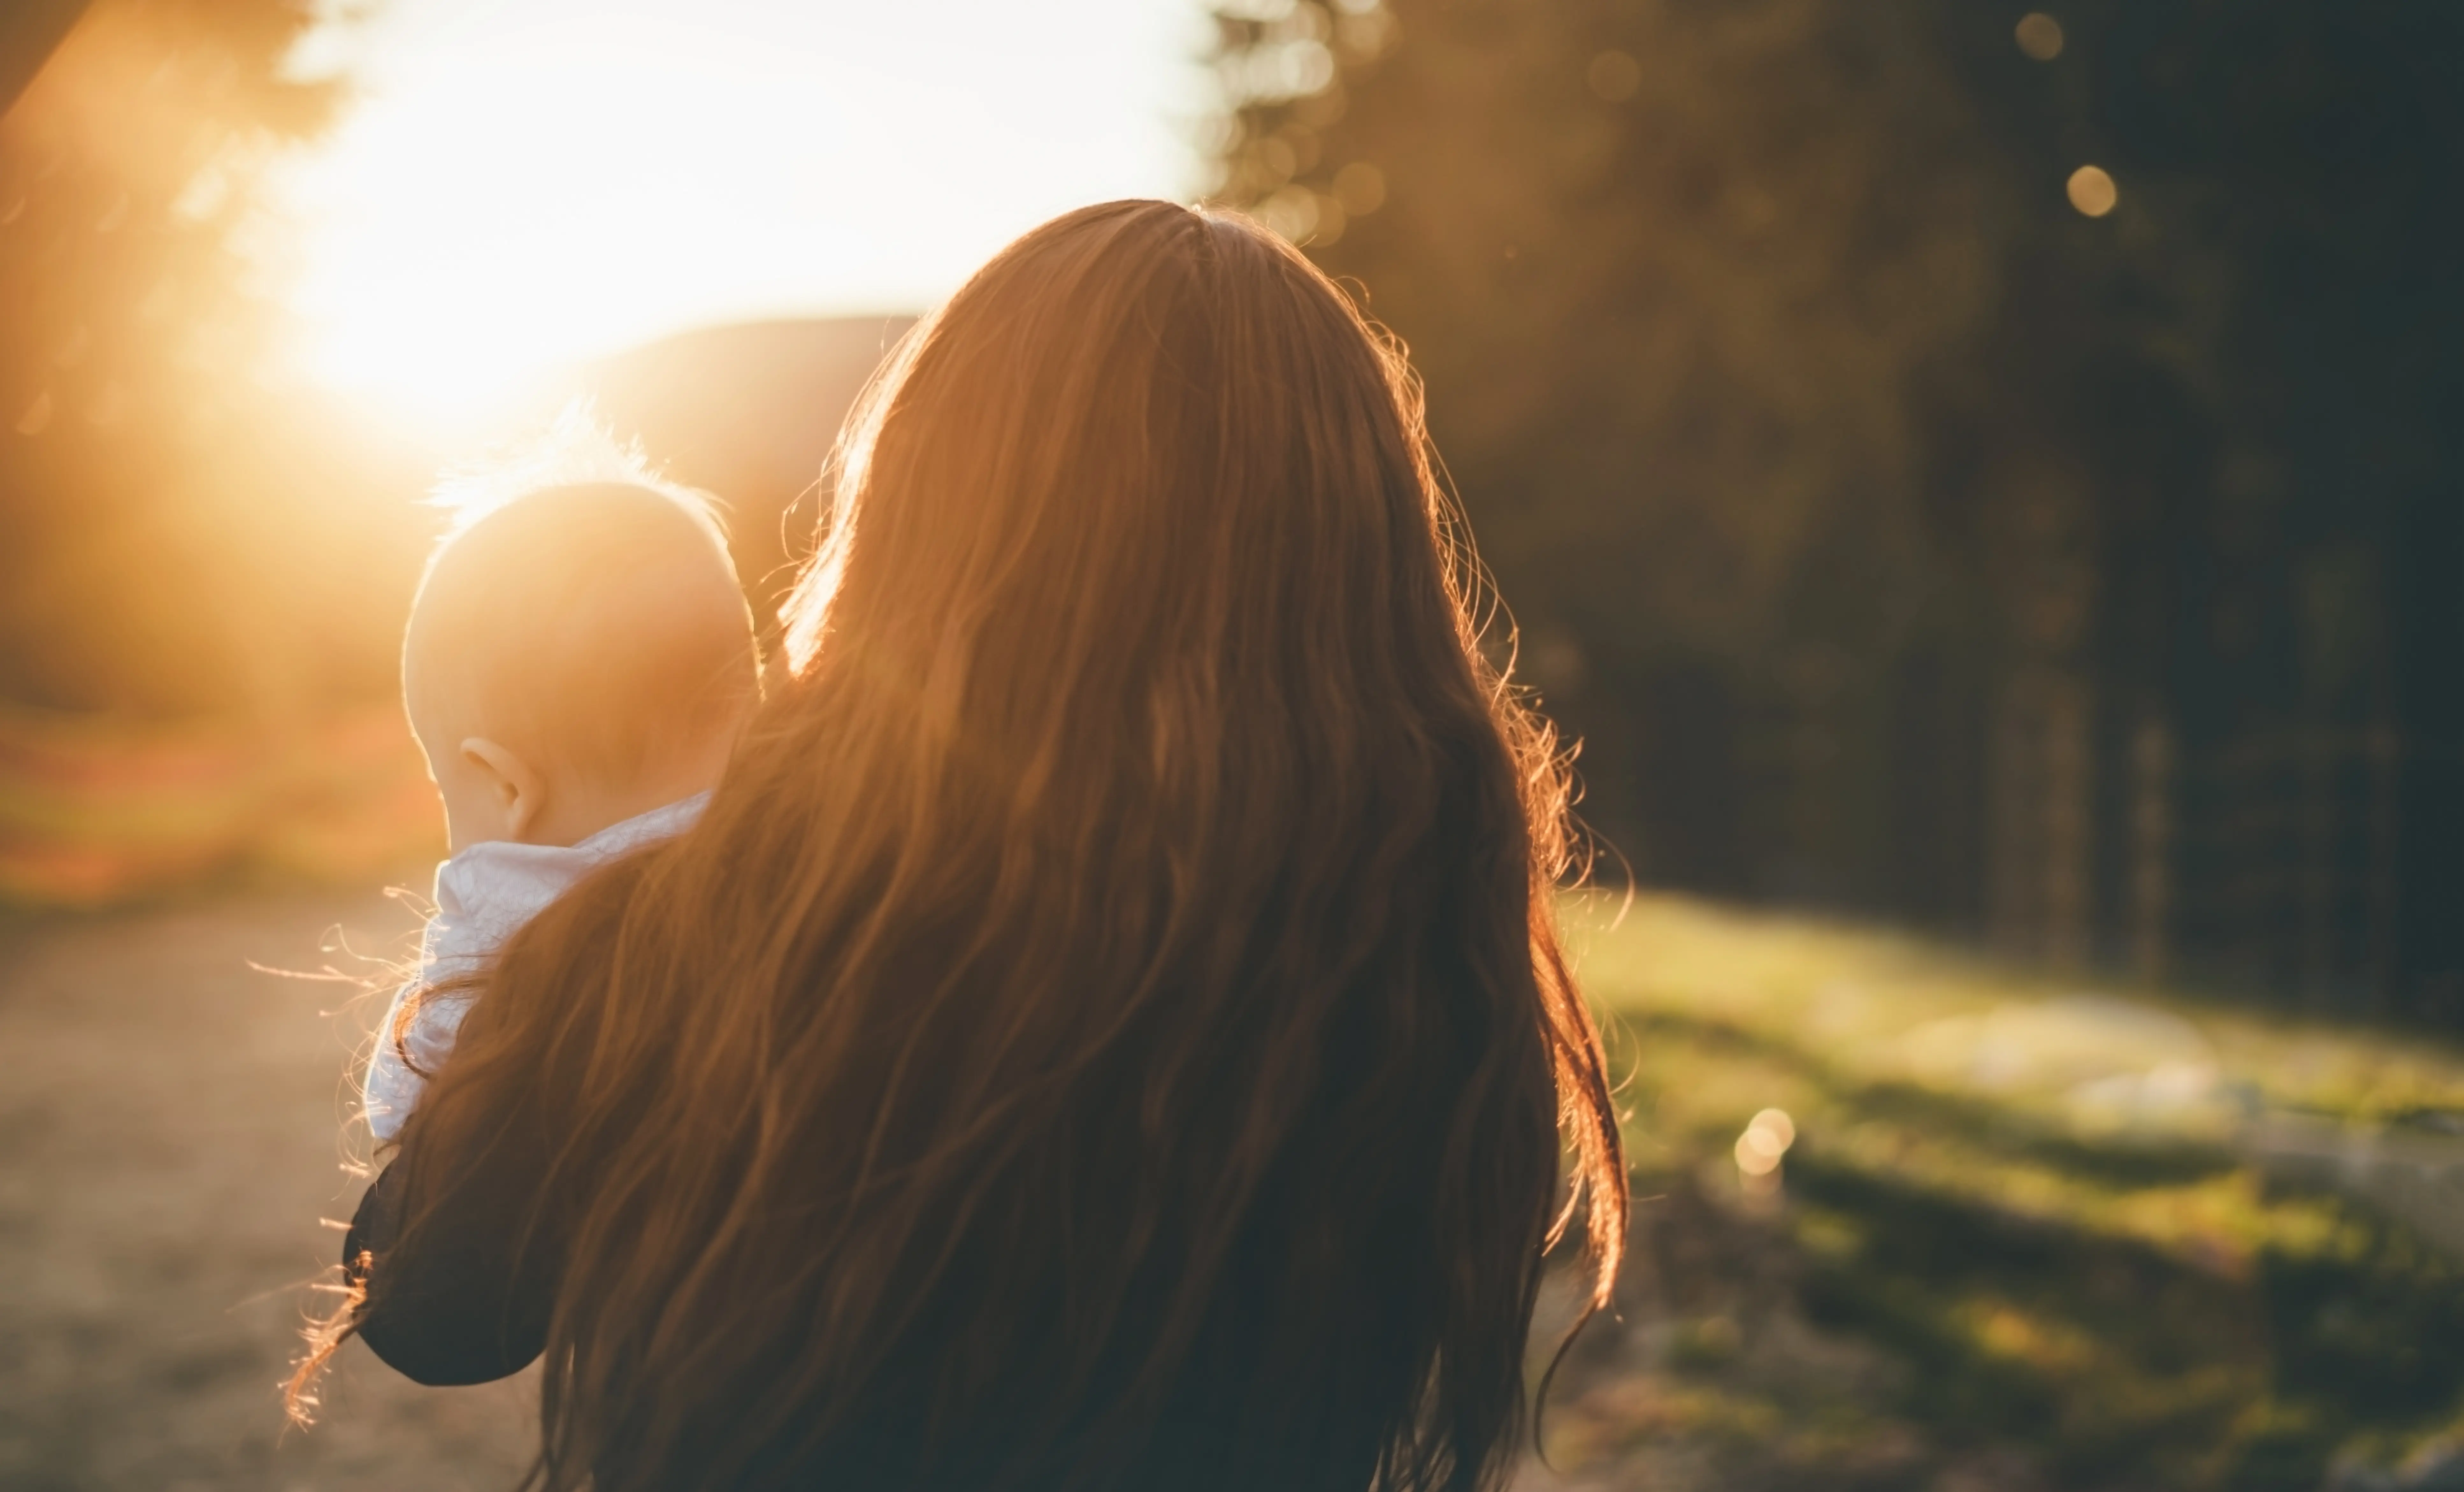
748	412
97	808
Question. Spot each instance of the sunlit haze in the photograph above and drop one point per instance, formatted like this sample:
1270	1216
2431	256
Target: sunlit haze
525	183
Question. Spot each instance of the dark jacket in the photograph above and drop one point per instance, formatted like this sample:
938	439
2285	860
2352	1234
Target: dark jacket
478	1304
477	1308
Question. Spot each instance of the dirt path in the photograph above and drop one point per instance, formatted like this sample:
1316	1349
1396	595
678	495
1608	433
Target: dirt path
168	1140
169	1137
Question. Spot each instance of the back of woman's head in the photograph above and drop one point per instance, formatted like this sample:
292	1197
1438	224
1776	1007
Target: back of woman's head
1107	1030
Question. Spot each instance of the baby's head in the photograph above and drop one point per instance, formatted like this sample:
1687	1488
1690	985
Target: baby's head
577	656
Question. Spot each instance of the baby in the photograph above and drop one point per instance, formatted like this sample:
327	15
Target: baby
578	662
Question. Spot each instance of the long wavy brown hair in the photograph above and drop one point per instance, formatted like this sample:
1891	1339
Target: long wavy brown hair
1109	1030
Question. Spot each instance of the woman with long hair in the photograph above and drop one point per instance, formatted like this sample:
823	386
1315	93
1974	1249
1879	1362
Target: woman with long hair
1109	1029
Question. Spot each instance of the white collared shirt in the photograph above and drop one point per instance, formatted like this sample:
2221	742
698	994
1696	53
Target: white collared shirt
483	895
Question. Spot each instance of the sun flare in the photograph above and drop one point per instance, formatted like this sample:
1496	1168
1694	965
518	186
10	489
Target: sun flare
523	186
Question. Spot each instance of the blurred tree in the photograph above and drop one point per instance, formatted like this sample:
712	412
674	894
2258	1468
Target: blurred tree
28	33
150	539
1682	279
1595	209
1991	467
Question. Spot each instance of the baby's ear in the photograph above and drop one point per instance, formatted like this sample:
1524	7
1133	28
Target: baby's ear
519	793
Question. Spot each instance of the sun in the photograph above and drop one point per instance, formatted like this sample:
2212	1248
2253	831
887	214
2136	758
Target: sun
526	185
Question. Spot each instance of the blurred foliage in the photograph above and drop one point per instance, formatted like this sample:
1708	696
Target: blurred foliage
2024	1235
171	539
97	809
1736	285
1733	279
1805	421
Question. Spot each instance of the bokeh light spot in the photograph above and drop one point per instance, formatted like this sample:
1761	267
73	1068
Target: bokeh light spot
1361	189
1330	220
1767	1138
2092	191
2040	35
1292	213
1614	77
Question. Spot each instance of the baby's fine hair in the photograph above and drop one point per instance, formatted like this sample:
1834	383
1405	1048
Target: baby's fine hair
586	605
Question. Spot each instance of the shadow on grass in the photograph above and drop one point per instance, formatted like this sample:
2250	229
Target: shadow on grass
1992	1126
2123	1363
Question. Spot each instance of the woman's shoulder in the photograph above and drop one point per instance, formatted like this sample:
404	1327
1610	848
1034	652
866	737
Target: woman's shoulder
472	1301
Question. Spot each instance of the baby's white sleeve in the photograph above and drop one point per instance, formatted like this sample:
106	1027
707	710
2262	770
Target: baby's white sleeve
392	1089
483	893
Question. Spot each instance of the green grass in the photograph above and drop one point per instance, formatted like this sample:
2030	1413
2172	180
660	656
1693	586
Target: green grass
2030	1216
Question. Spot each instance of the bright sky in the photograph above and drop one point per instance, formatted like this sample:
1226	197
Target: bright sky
527	182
